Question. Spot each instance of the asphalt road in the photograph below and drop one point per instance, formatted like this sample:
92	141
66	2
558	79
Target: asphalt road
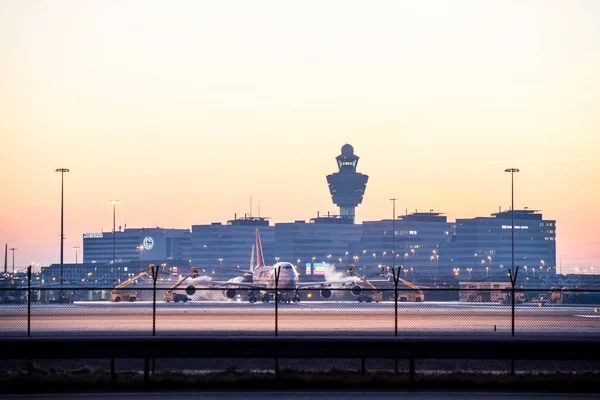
308	318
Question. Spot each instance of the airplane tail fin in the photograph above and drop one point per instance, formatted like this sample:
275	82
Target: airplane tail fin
252	259
260	260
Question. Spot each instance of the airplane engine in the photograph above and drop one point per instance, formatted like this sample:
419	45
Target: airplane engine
230	293
356	291
190	290
325	293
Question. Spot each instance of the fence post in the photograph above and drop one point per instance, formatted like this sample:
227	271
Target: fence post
154	278
29	301
396	279
513	281
277	270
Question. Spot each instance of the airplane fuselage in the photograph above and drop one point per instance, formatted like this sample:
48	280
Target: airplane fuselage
266	276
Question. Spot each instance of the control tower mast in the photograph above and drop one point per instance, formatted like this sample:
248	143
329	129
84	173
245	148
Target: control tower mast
347	186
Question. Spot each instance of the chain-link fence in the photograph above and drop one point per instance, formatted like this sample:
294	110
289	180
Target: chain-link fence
317	312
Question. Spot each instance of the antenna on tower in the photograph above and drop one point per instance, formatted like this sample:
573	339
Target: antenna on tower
250	206
259	209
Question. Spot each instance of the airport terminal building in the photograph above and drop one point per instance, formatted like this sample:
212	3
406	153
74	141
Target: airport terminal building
311	246
482	246
136	244
230	245
419	239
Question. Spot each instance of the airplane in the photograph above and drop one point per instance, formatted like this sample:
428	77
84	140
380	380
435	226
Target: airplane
261	281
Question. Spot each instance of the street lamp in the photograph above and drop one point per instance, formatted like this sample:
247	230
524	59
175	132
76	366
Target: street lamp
62	236
393	231
512	207
13	259
221	261
76	248
114	204
276	259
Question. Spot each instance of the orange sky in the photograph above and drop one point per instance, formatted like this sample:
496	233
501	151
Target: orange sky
183	110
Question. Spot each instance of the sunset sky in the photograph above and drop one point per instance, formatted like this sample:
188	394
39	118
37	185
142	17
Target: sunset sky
185	109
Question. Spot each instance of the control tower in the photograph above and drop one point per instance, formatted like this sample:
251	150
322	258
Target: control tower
347	186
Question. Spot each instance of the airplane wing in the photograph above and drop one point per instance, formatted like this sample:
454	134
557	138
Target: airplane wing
227	284
329	284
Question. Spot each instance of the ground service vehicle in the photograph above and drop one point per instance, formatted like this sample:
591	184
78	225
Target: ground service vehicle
177	297
118	296
376	295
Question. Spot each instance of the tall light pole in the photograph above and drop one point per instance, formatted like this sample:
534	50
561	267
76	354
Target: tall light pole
62	236
512	207
13	258
76	248
114	204
393	231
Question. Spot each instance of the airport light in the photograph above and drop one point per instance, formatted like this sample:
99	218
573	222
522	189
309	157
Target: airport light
62	235
13	258
512	207
114	204
76	248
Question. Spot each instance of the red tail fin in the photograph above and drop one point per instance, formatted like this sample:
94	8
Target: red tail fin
260	260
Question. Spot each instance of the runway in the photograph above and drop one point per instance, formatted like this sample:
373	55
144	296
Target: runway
308	318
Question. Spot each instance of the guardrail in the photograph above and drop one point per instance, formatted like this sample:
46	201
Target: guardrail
150	348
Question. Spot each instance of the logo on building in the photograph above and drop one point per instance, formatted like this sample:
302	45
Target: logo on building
148	243
89	235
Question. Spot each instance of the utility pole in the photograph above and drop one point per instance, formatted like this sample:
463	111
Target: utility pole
512	207
62	235
393	232
114	204
13	259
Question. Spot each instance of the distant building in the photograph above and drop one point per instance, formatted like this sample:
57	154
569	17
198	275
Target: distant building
324	240
108	275
347	186
482	247
418	240
135	244
230	245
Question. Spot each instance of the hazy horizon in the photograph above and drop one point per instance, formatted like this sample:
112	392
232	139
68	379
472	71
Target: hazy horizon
183	110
